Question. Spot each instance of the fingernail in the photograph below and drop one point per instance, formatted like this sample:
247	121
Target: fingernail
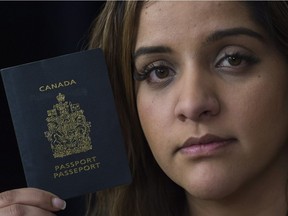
58	203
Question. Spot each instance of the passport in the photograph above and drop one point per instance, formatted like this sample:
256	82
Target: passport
66	124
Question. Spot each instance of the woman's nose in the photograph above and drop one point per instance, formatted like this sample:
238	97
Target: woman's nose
197	98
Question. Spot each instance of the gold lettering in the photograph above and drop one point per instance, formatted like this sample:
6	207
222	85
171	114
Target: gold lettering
52	86
75	167
76	163
87	167
73	82
47	88
83	161
66	83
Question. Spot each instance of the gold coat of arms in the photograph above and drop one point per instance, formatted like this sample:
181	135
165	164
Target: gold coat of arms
68	131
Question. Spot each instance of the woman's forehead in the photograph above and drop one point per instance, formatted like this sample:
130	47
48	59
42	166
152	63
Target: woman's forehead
206	10
169	20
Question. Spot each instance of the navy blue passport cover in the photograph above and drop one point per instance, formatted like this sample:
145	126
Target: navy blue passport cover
66	124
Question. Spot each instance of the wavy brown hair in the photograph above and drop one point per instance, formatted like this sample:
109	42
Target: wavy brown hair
151	192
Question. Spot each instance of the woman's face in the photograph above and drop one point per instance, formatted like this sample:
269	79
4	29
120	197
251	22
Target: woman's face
213	100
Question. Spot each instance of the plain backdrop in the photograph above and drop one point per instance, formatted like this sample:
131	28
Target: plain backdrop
31	31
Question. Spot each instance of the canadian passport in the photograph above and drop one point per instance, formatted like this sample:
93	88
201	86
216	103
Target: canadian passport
66	124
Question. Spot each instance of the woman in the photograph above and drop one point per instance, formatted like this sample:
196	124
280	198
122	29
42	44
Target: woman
206	110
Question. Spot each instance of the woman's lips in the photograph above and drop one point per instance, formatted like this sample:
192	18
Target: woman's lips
206	145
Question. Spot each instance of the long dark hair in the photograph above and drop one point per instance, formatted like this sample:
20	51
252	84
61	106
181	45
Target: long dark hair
272	16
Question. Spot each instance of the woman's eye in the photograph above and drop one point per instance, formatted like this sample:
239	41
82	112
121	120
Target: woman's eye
155	73
231	61
236	61
159	73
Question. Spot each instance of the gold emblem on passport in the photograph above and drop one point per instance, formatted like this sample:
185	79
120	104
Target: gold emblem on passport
68	131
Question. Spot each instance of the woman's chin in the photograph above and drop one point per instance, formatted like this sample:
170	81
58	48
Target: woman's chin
212	188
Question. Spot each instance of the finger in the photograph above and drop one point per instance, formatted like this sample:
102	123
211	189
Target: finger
33	197
24	210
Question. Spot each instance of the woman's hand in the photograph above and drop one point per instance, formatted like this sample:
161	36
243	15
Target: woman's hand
29	202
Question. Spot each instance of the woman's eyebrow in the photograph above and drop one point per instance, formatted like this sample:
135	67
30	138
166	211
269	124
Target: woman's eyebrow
220	34
150	50
215	36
